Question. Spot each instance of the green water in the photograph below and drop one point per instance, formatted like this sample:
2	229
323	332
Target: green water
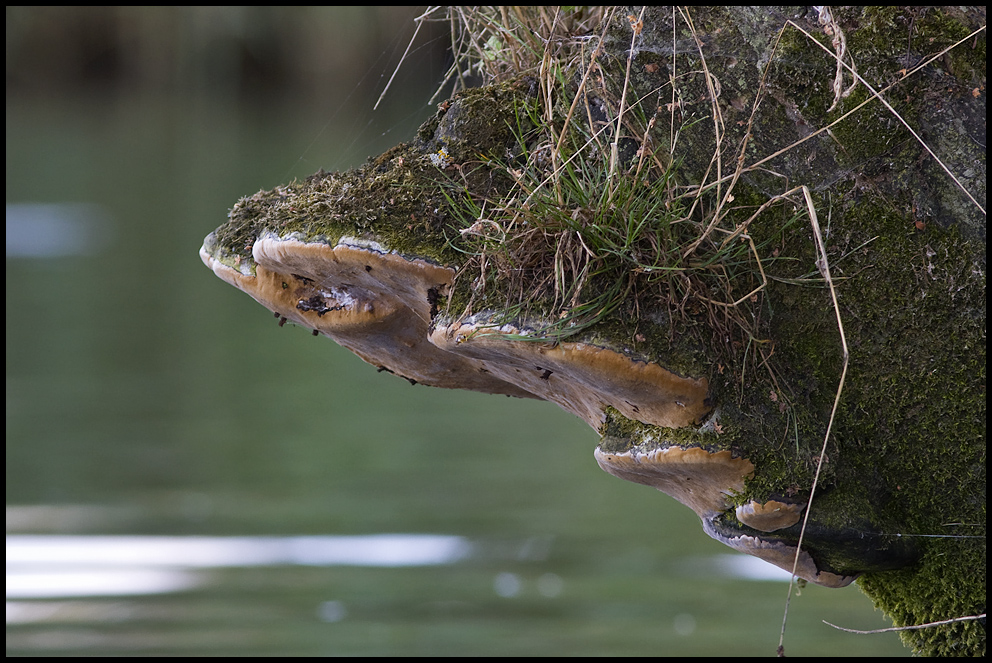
145	396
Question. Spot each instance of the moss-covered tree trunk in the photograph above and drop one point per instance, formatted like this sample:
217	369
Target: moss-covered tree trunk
614	224
906	458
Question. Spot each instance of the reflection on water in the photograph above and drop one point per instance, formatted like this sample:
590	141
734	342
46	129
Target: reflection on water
745	567
60	566
71	580
48	569
206	551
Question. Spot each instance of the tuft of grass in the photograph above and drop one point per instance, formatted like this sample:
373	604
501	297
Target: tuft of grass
570	244
596	222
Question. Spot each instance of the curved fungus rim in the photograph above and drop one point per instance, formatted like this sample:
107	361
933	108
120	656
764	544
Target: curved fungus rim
769	516
702	480
580	377
781	555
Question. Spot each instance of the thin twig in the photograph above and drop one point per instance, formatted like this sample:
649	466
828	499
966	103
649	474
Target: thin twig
419	21
582	84
823	264
905	628
614	148
879	96
717	158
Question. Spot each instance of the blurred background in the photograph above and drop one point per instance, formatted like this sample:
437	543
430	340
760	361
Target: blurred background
185	477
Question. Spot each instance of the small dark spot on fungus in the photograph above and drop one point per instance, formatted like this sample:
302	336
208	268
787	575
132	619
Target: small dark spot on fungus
317	304
315	332
282	321
276	314
546	375
368	268
432	298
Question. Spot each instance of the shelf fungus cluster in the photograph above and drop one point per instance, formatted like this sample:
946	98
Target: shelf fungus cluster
383	306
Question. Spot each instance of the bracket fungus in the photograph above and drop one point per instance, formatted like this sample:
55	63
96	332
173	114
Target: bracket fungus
706	481
582	378
308	253
702	480
769	516
382	305
375	302
781	555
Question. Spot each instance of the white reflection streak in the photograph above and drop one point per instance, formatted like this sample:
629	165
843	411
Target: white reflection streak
53	566
69	581
746	567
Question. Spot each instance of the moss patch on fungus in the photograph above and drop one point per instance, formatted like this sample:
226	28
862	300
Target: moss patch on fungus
394	199
383	201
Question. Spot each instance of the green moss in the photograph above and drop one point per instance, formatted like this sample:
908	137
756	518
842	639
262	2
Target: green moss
397	199
381	201
910	437
948	582
917	31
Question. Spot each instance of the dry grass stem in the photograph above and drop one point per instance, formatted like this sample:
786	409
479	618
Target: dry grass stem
823	264
906	628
